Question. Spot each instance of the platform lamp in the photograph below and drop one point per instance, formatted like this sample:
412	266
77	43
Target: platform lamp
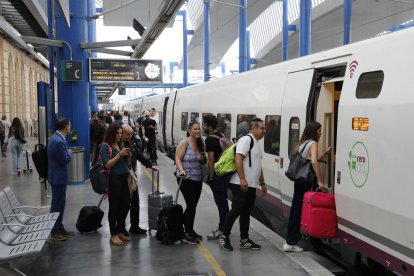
138	27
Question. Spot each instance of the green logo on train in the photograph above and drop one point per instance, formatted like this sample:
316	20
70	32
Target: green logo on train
358	164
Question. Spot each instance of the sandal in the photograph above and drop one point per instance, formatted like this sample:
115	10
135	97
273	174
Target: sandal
115	240
124	237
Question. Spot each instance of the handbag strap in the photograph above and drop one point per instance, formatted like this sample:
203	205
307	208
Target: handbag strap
303	149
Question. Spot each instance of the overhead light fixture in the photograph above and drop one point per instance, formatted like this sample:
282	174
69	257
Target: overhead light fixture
138	27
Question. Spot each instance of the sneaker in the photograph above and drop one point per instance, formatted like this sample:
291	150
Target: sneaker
67	233
190	239
215	234
292	248
249	244
58	237
137	230
197	236
225	243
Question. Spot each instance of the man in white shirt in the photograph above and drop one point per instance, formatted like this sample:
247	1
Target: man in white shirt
4	141
243	185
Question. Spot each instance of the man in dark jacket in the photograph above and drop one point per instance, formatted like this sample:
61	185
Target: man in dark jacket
59	157
130	141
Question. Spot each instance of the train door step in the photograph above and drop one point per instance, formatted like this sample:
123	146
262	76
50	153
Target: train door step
327	263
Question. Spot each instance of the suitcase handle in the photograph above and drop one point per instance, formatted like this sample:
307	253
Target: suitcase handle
178	190
153	179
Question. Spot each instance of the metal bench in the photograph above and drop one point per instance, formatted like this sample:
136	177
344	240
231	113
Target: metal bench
17	208
31	222
18	239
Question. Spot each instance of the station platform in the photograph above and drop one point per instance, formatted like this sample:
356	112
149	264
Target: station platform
92	254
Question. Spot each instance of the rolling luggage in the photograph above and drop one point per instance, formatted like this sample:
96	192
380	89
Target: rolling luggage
27	165
318	215
170	222
90	218
156	202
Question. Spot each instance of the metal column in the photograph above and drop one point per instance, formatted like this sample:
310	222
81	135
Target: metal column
93	99
186	32
242	36
74	96
286	29
347	21
305	27
51	35
206	40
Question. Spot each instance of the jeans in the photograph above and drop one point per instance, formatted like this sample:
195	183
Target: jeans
242	205
191	191
293	232
16	150
218	186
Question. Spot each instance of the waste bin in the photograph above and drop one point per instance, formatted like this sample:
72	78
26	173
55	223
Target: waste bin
77	165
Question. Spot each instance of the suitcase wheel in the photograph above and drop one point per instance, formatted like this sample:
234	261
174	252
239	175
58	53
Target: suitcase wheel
31	170
24	171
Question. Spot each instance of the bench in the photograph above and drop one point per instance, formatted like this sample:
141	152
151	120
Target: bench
18	209
20	233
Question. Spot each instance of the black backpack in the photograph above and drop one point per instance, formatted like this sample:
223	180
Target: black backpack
170	224
2	131
39	157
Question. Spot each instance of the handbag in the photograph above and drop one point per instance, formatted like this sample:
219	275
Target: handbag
132	179
300	169
99	176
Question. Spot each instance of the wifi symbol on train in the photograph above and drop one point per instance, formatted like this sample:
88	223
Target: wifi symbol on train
352	67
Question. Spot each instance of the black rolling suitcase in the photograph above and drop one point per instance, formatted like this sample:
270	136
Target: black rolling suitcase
170	222
90	218
156	202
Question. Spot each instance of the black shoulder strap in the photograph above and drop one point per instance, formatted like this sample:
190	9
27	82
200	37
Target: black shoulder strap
251	146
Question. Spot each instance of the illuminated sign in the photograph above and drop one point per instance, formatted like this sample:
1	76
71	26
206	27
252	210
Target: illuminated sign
360	124
125	70
71	70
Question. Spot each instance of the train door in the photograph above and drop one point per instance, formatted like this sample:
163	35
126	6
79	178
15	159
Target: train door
295	99
164	120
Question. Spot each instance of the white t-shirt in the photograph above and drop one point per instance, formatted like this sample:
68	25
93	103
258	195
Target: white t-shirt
252	173
6	125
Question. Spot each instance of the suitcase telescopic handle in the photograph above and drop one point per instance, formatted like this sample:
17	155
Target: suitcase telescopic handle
153	179
178	190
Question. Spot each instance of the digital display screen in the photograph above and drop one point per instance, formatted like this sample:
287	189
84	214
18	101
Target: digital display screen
360	124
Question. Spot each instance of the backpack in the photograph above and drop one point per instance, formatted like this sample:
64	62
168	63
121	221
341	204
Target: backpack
2	131
225	142
39	157
227	164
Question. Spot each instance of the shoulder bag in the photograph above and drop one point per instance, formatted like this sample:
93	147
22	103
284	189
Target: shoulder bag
99	176
300	169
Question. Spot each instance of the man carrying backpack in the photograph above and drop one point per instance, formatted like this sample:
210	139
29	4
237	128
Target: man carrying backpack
243	185
218	184
4	132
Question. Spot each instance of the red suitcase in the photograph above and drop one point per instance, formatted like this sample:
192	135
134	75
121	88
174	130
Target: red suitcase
318	215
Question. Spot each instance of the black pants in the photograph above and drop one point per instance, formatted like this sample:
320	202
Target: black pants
152	148
218	186
134	209
242	205
191	191
118	203
293	232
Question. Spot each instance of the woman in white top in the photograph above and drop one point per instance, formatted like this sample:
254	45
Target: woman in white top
309	140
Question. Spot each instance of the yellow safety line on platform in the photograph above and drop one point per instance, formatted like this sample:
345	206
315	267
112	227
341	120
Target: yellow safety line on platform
201	246
210	259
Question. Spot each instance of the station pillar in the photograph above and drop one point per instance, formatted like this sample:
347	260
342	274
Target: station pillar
93	99
73	96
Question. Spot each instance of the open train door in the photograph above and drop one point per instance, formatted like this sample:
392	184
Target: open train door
164	120
294	110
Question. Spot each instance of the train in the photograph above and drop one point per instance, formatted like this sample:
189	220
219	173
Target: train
362	95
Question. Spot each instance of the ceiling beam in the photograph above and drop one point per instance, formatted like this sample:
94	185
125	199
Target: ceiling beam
104	44
111	51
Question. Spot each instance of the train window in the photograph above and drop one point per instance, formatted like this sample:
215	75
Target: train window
224	124
369	85
184	121
294	134
272	136
195	117
243	124
202	117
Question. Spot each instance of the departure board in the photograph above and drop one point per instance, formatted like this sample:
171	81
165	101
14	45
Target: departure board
125	70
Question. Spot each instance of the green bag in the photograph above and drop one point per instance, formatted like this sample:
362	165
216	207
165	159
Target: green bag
227	164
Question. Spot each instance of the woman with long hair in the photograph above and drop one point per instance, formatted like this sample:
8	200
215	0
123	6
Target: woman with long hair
189	158
16	139
116	158
308	146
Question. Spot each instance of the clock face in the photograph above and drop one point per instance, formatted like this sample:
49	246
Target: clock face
152	71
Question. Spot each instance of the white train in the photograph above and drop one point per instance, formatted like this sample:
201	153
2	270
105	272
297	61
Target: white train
362	95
